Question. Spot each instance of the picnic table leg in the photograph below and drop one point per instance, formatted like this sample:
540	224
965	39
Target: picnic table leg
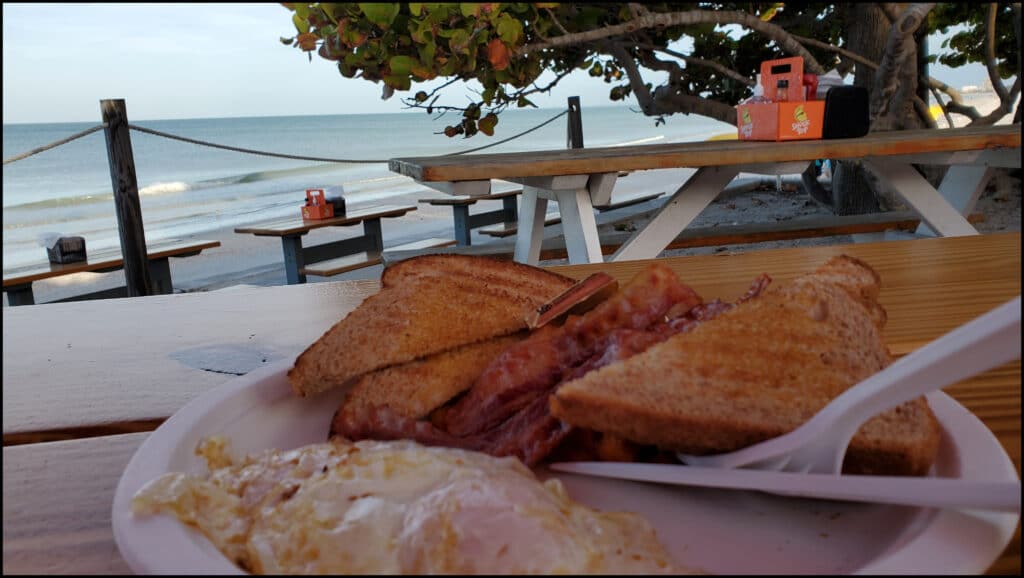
293	260
531	227
462	230
922	197
579	226
372	231
511	208
962	186
679	211
20	295
160	275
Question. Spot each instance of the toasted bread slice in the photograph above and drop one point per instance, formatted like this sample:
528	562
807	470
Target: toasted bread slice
426	305
416	388
758	371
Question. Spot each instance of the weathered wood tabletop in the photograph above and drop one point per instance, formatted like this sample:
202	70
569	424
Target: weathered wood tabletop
579	179
698	154
99	375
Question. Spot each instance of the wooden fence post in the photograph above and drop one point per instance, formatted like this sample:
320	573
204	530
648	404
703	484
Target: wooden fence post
575	124
126	198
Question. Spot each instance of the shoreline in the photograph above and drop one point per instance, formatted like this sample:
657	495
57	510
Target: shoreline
244	259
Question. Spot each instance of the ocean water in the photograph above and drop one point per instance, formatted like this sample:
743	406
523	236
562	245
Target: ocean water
187	189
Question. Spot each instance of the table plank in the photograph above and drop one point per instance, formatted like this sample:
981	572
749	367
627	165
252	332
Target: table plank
57	500
699	154
84	473
57	374
295	225
929	286
105	259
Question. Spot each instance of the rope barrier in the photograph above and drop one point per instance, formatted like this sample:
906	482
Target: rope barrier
56	144
323	159
89	131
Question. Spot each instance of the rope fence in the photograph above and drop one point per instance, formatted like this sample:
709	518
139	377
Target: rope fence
55	144
89	131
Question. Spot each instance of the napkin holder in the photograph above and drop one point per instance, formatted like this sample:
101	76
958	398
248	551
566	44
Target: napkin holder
66	250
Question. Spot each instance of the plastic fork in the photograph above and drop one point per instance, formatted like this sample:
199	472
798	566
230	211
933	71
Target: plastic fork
819	445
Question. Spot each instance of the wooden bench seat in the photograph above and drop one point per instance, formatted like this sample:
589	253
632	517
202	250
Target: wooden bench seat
356	261
18	282
465	222
510	229
628	202
467	200
554	248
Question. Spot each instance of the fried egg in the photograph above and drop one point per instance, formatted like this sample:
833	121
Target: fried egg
398	508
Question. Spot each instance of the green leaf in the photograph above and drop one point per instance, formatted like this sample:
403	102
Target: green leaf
470	9
415	8
427	52
300	23
401	65
509	29
328	9
459	41
398	82
380	14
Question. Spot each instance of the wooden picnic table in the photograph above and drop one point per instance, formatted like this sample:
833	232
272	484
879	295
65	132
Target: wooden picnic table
18	282
578	179
297	257
79	401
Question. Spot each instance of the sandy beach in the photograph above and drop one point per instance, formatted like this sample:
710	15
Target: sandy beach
250	260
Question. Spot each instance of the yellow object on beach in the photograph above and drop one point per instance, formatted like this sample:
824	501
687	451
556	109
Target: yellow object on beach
724	136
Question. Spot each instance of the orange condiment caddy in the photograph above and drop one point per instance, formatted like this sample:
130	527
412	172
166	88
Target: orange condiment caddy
316	206
790	116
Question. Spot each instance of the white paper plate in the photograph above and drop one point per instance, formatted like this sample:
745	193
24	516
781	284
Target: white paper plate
720	531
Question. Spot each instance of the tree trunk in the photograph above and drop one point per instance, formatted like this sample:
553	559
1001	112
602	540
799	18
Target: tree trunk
852	193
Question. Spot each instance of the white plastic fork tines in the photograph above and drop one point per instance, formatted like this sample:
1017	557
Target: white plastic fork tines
819	445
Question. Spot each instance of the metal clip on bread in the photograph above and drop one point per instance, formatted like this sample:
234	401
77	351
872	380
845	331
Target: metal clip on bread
576	300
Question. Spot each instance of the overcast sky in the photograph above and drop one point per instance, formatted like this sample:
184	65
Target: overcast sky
171	61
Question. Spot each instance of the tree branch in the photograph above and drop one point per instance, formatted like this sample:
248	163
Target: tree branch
666	98
898	47
938	99
636	82
956	100
841	51
701	62
555	20
890	10
660	19
990	54
1002	110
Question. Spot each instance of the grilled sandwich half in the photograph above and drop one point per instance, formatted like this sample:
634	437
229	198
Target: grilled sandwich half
758	371
428	310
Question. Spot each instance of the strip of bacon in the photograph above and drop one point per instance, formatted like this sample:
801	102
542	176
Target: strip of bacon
539	362
530	435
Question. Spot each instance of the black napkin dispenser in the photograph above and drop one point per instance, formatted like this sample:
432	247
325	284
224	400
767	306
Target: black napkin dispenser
67	250
846	112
